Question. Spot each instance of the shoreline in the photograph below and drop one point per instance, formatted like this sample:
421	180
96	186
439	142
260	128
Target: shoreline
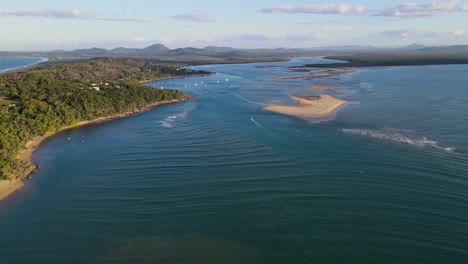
8	187
173	77
43	59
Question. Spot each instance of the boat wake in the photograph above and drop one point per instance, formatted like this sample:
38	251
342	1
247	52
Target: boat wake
169	121
247	100
257	124
261	127
398	135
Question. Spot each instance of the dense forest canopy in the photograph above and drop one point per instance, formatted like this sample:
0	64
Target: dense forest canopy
45	99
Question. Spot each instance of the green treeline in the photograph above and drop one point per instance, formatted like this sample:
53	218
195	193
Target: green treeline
49	98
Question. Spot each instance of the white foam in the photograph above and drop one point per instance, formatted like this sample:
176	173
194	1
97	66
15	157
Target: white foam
366	86
256	123
169	121
397	135
261	127
247	100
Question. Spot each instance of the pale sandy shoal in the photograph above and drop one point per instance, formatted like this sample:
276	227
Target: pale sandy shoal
323	107
10	186
321	87
314	75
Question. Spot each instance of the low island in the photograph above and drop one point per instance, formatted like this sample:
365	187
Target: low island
41	101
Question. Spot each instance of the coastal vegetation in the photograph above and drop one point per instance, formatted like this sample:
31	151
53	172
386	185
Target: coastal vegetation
46	99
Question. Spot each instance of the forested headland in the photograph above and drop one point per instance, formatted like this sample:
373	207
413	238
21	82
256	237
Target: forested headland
46	99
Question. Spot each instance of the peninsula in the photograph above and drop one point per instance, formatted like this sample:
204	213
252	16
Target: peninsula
41	101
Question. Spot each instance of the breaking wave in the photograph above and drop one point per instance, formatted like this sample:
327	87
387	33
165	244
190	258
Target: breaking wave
397	135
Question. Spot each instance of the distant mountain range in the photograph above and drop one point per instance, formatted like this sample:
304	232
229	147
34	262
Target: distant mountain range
213	54
153	49
160	49
159	52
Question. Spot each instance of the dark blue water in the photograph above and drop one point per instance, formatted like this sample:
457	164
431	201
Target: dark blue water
217	180
11	63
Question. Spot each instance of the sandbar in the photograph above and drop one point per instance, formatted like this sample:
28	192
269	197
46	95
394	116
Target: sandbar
318	106
313	75
321	87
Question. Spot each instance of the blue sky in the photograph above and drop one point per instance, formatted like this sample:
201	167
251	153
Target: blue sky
63	24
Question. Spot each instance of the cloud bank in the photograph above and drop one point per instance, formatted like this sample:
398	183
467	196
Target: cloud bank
424	9
405	10
318	9
66	14
194	17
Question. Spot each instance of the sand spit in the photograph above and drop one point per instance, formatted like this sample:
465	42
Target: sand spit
317	106
321	87
313	75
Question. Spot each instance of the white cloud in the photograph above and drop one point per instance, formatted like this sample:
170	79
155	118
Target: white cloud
65	14
408	9
138	39
318	9
424	9
195	17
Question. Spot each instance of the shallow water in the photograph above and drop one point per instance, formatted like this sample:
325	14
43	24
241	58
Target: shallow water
217	180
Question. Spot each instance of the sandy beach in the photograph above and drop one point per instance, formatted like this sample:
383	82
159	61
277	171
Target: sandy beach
318	106
9	187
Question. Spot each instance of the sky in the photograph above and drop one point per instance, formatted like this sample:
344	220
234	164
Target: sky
63	24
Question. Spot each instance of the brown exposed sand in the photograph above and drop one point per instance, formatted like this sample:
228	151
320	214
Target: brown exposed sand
321	87
8	187
308	106
280	78
313	75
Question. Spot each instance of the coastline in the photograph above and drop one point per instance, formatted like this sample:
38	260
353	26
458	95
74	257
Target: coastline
43	59
173	77
7	187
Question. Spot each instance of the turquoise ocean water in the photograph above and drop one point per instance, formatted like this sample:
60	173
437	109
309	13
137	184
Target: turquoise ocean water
10	63
217	180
